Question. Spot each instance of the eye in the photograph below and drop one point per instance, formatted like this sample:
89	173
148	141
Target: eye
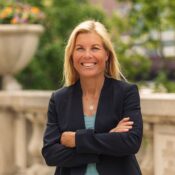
79	48
95	48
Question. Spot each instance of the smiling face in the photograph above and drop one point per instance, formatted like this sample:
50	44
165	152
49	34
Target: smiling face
89	55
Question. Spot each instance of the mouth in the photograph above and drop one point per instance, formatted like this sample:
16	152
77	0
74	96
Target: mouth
89	65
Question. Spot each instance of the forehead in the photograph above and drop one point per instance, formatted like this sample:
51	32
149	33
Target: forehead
88	37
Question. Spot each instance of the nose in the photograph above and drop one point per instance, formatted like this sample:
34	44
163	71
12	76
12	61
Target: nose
87	54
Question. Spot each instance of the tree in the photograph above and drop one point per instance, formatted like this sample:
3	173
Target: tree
134	61
145	24
45	71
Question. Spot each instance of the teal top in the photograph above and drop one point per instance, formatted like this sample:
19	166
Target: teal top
89	123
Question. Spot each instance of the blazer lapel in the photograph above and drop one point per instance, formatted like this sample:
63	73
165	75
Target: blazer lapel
77	119
105	108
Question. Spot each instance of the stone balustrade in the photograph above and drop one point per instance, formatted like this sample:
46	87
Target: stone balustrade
22	121
158	148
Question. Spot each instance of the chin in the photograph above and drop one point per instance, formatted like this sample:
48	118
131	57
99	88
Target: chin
94	75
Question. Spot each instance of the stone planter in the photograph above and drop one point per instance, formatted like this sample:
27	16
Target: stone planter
18	44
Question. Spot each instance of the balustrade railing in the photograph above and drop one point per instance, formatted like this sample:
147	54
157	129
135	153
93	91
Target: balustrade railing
22	121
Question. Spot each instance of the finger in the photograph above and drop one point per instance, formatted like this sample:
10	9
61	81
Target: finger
127	124
130	123
112	130
124	120
128	127
121	130
124	127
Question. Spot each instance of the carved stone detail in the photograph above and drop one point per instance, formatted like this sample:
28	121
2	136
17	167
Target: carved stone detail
164	149
147	145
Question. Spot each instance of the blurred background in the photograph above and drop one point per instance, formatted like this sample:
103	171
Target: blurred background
143	34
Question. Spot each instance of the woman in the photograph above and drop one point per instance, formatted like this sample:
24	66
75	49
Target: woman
94	123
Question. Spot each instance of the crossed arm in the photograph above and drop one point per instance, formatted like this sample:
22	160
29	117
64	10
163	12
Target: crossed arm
71	149
68	137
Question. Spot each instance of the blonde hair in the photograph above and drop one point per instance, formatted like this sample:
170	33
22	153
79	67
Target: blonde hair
112	67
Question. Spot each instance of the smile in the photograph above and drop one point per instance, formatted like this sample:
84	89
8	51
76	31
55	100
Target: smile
88	65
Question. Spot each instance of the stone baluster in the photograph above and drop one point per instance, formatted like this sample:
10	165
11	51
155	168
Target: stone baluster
20	143
35	144
7	138
34	147
164	147
147	156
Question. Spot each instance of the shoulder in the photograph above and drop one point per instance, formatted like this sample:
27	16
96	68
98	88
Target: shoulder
122	88
127	91
122	85
62	93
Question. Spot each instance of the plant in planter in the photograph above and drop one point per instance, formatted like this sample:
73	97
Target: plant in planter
20	28
19	13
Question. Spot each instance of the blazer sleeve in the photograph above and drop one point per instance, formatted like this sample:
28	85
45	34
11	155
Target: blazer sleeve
115	144
54	153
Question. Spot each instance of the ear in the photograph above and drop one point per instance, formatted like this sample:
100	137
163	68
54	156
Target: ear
107	56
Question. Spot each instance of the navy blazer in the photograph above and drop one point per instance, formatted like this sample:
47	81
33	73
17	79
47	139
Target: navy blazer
113	153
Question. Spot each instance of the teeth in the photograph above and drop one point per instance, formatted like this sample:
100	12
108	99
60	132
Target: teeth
88	64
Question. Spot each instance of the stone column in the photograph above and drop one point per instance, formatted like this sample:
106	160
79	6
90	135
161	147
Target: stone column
147	156
20	142
164	149
7	166
35	144
159	110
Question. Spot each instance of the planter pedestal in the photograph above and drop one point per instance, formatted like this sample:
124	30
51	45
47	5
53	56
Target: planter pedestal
18	44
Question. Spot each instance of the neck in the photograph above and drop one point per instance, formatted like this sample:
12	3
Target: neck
92	86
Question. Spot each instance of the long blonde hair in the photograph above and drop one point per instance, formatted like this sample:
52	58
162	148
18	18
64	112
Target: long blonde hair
112	65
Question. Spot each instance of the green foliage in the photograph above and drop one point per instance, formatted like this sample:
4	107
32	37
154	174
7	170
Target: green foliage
162	81
143	19
45	70
135	66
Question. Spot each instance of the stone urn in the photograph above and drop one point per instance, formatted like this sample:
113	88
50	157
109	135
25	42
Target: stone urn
18	44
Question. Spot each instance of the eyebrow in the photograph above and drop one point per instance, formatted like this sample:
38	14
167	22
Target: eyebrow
80	45
77	45
97	45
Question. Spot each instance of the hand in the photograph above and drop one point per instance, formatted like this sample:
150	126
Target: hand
68	139
123	126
